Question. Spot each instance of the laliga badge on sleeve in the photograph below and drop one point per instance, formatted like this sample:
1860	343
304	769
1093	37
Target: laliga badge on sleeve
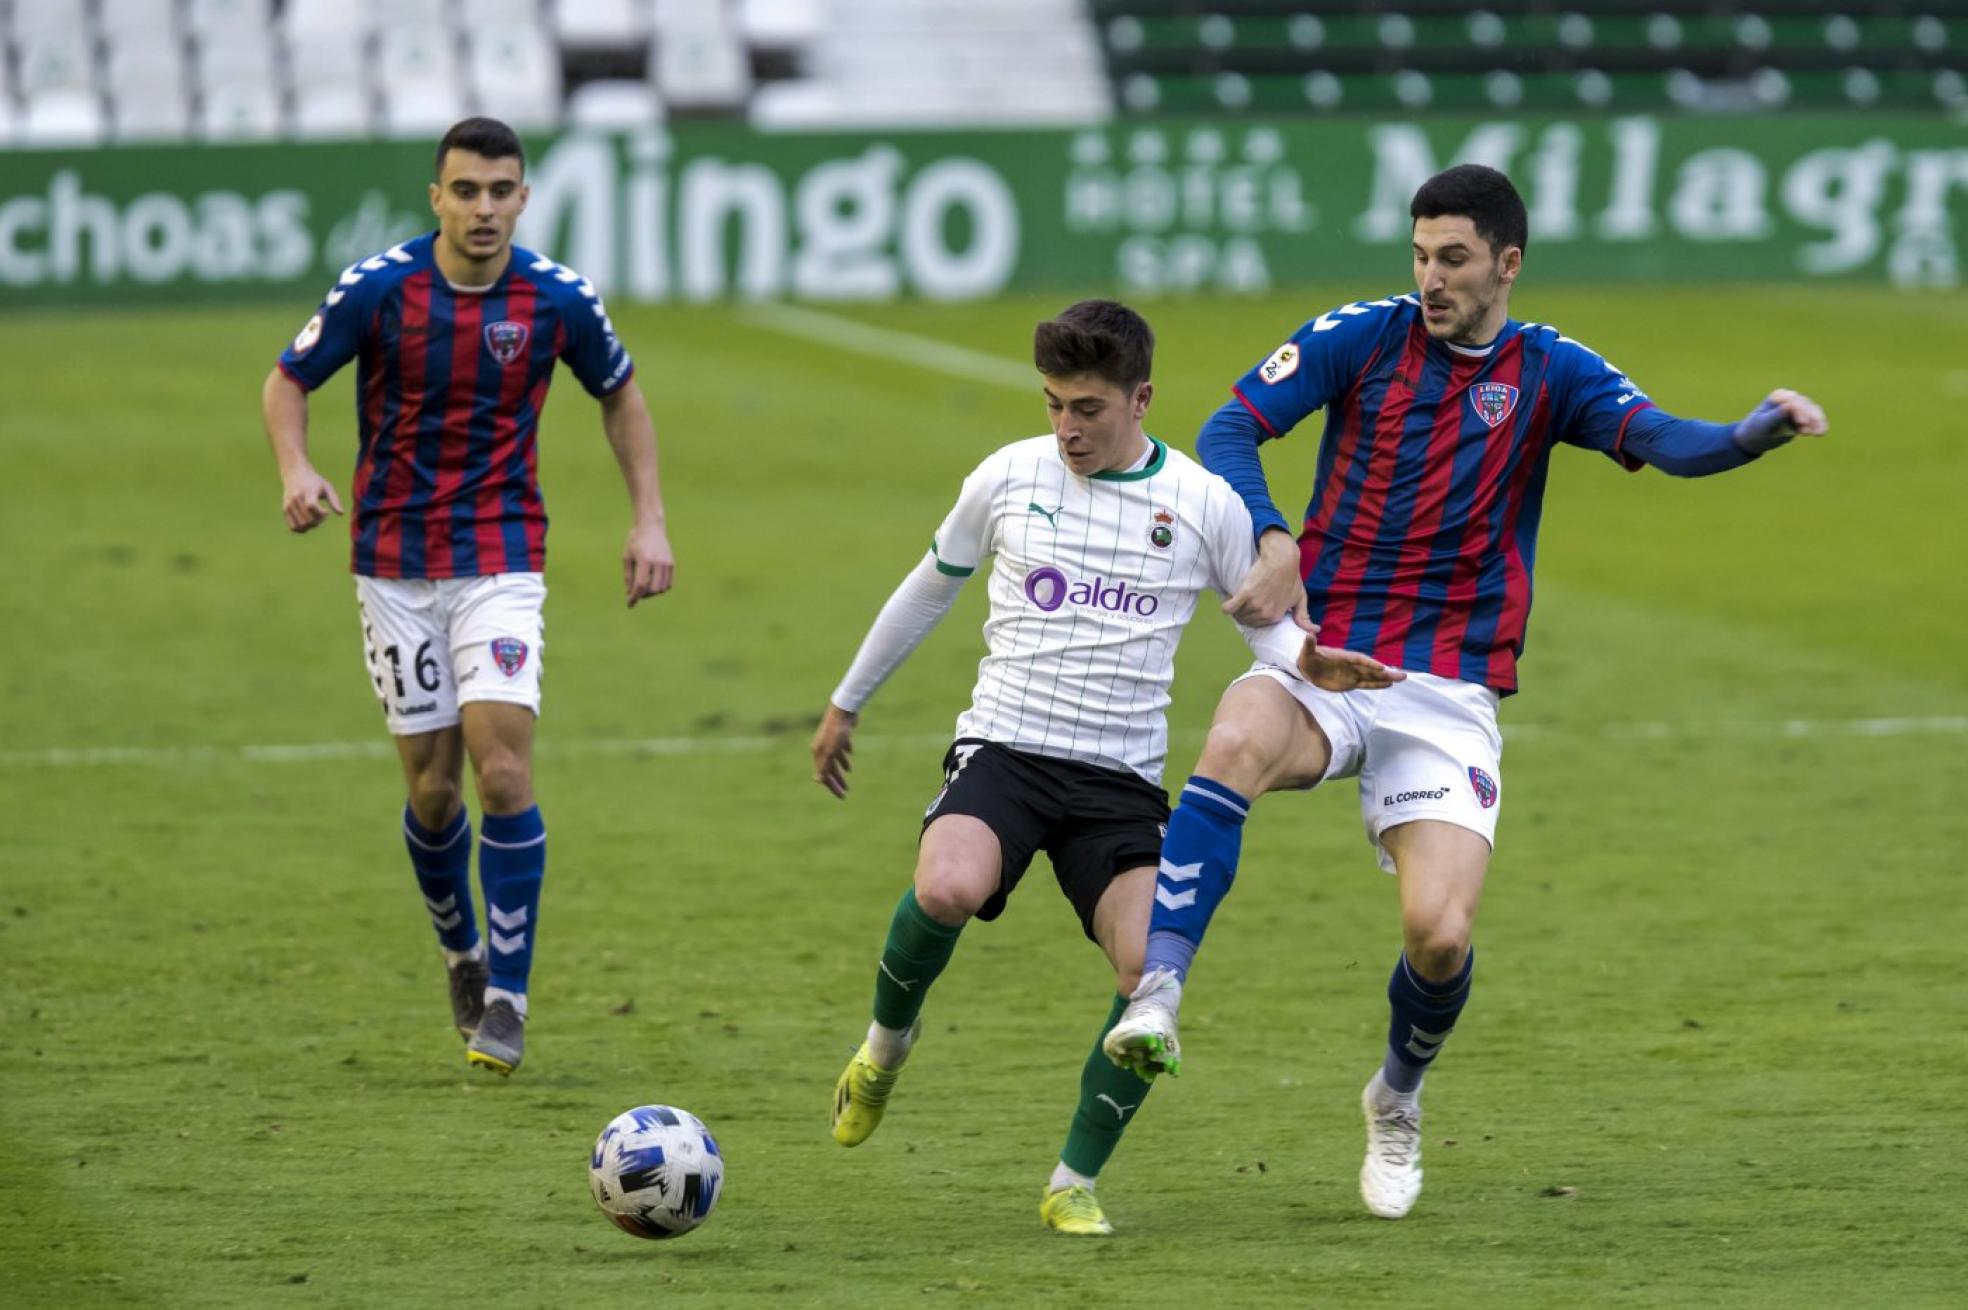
309	334
1282	364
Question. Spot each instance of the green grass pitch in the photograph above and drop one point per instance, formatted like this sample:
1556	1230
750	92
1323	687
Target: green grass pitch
1714	1057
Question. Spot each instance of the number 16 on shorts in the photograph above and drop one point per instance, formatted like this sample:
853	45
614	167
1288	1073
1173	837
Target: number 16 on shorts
431	644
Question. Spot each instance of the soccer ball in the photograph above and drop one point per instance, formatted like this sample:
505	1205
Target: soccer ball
656	1171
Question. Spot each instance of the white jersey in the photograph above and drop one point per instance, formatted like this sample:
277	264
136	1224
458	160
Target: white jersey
1094	579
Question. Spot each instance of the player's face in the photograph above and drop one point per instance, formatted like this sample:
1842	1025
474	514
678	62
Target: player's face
1464	285
1097	422
478	202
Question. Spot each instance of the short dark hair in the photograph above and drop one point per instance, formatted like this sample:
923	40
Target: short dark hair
1483	196
1103	337
482	136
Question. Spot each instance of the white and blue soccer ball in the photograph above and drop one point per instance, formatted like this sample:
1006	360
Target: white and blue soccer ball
656	1171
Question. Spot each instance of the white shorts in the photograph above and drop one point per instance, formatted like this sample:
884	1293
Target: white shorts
434	643
1424	748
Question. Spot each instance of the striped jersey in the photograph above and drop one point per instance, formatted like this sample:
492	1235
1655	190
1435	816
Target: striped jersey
1422	528
449	388
1093	581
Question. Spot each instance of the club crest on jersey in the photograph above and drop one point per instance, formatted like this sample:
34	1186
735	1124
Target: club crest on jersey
1161	530
509	653
1485	785
506	339
1282	364
1493	401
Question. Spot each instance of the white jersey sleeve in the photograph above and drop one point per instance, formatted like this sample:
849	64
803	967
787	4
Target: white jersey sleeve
916	606
964	540
1231	555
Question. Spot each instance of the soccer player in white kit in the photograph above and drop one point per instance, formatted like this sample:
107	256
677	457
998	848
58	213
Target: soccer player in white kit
1104	539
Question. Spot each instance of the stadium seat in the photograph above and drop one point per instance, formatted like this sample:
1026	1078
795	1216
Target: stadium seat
305	20
336	112
515	75
223	19
53	60
148	116
326	57
779	24
63	118
386	14
35	18
614	105
700	64
601	24
418	72
124	21
246	109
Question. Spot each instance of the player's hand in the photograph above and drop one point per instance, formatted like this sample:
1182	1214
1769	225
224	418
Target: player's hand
648	567
1781	416
301	496
1272	588
833	743
1331	669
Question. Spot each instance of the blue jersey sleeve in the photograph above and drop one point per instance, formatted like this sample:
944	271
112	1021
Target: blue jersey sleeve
1318	364
335	334
592	349
1596	402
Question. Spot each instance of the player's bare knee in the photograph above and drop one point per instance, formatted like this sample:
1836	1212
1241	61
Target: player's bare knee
434	800
505	783
949	892
1239	756
1437	949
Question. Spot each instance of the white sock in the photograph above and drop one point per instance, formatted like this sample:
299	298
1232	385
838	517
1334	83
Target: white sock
452	959
515	999
889	1047
1063	1178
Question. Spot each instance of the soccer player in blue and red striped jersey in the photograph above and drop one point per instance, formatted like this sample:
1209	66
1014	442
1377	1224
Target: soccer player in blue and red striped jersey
1441	415
455	336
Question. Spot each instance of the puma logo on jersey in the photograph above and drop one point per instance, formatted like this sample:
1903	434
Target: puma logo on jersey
1051	516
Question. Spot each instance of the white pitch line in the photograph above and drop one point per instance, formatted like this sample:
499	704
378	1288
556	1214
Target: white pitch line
62	757
895	347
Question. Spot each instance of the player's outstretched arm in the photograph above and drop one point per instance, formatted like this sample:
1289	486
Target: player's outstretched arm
648	566
833	744
1782	415
1331	669
915	608
303	492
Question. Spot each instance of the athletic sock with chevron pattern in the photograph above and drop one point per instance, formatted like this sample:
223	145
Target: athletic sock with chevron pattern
442	861
512	859
1110	1097
1199	862
916	950
1424	1014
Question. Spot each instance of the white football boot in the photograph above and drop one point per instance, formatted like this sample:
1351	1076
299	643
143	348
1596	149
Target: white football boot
1390	1179
1143	1039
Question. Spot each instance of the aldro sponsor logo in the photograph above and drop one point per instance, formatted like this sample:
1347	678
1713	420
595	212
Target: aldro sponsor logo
1049	589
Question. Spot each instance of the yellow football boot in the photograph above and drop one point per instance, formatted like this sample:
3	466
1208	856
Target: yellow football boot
1075	1212
860	1097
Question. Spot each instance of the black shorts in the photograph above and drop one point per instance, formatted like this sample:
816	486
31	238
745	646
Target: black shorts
1093	823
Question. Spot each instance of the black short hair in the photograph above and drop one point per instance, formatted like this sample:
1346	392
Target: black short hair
1483	196
482	136
1103	337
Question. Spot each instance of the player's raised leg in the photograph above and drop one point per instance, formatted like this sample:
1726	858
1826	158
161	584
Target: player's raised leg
1262	739
437	832
1441	868
957	869
512	862
1110	1096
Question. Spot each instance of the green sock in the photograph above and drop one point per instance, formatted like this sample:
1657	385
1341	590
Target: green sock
917	949
1109	1098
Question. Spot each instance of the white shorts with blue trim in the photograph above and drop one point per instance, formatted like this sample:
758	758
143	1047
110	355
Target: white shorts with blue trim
1425	748
432	644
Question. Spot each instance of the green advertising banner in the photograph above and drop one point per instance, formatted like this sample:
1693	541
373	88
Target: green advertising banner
702	213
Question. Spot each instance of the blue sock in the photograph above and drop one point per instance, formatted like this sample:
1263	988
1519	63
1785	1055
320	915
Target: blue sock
1424	1016
1199	862
512	859
443	864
